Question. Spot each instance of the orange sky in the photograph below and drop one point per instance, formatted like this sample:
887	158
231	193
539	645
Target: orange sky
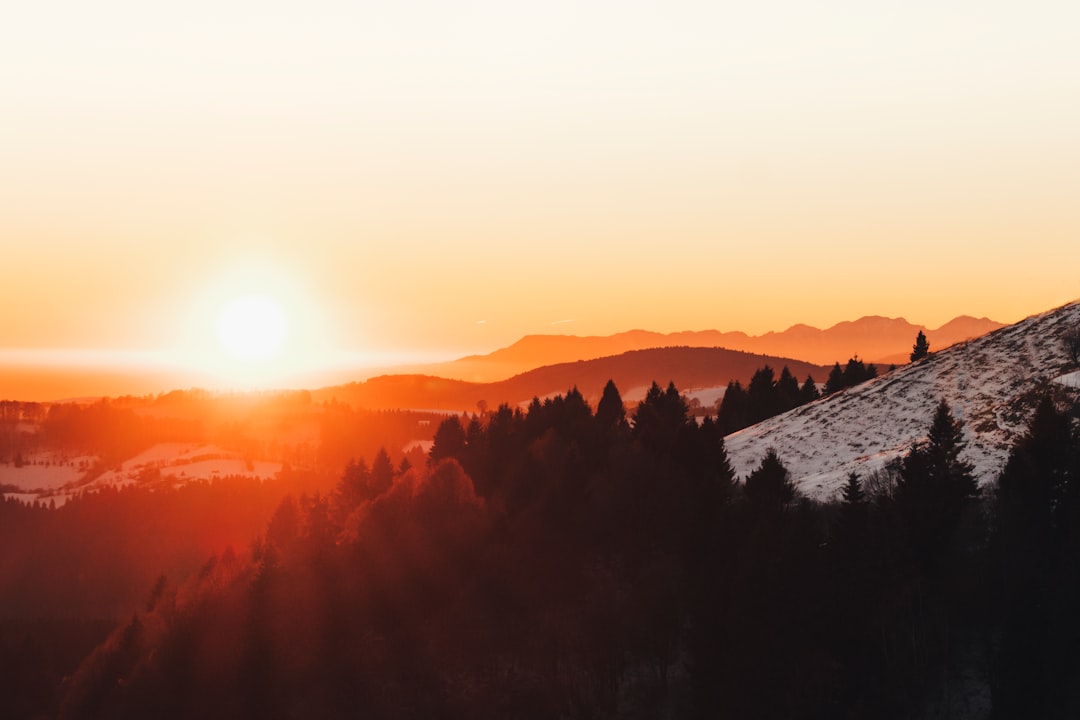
423	181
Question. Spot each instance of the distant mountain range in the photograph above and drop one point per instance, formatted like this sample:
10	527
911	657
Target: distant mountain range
992	383
688	367
873	338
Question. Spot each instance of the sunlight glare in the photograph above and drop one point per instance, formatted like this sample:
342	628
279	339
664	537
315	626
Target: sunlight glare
252	329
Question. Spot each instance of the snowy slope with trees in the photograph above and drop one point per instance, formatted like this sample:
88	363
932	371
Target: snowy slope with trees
991	383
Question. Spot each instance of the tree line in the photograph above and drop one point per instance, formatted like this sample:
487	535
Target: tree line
768	395
563	561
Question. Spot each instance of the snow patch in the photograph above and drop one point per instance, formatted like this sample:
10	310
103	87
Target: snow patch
992	383
1070	380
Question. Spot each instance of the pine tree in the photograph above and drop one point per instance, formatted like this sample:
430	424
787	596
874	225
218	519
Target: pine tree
449	440
762	394
734	412
1037	475
660	418
935	484
856	372
851	525
610	413
352	489
835	381
1032	566
787	390
921	348
852	492
769	486
382	472
946	442
809	391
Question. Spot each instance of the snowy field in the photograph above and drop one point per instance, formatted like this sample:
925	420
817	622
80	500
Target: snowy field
187	461
44	471
46	476
991	383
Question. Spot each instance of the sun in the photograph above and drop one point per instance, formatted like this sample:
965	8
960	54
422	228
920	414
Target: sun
255	325
252	329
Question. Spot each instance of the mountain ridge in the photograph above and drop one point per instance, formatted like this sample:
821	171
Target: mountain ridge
874	338
992	383
688	367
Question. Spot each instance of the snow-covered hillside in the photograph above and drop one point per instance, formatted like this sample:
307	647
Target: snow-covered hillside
991	383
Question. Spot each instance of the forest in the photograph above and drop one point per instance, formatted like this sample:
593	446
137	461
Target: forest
559	561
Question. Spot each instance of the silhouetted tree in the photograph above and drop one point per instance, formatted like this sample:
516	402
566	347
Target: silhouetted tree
769	486
762	394
734	411
835	381
854	373
660	418
934	484
449	441
382	472
284	525
851	527
353	488
1038	579
610	413
857	372
809	391
921	348
852	493
787	390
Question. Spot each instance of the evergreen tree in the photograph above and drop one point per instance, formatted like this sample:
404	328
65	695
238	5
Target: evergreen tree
787	390
853	515
610	412
769	486
1033	568
382	472
809	391
574	417
353	488
660	418
449	440
284	525
852	492
921	348
835	381
856	372
945	443
934	485
734	412
764	402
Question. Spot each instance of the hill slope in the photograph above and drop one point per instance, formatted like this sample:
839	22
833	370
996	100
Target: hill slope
689	367
992	384
875	339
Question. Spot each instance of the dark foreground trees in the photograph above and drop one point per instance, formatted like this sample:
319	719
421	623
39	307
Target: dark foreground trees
612	568
1036	668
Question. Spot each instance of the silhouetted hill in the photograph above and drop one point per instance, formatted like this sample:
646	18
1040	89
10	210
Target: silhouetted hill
874	338
992	384
689	367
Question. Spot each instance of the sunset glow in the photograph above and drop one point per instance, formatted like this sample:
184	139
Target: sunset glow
492	358
405	172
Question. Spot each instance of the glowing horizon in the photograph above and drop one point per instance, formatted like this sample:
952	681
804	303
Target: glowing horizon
434	181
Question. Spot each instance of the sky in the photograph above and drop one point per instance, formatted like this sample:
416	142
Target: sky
421	180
